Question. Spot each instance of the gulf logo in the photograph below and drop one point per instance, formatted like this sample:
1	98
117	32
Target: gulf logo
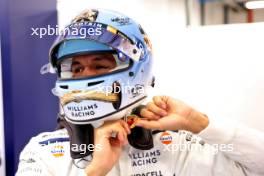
57	151
166	138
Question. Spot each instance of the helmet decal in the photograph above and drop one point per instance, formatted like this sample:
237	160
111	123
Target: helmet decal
87	15
121	20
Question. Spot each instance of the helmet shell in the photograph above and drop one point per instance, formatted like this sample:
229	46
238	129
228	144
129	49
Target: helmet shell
130	84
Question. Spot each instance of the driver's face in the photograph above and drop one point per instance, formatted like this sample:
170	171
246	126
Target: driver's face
92	64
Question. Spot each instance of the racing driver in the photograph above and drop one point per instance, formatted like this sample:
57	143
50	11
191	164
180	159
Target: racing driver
103	60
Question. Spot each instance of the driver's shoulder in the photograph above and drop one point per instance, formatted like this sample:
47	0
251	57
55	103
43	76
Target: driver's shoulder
47	138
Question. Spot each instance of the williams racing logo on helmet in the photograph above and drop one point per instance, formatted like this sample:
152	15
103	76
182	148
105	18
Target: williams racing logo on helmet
86	105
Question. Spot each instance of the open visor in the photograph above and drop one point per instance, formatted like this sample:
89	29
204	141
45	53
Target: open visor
100	33
90	65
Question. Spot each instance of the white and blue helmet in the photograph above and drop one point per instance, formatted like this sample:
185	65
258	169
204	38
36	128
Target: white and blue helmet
95	99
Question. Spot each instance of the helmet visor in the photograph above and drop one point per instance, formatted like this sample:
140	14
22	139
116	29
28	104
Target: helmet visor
91	65
102	34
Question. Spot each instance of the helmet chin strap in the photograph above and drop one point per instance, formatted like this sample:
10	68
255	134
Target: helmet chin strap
83	134
140	138
80	135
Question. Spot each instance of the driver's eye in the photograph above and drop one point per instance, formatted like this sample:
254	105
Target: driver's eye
77	69
98	67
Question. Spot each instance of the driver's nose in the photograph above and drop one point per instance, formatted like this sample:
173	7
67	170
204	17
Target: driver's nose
88	72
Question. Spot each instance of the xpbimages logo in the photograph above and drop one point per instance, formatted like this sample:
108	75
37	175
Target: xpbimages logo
57	146
82	30
83	148
191	143
188	147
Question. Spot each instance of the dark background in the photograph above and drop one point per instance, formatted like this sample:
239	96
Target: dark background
29	106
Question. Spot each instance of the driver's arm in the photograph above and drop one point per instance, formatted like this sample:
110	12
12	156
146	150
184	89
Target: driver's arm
248	143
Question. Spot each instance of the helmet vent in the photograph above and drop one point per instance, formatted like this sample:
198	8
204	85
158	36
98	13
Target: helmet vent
94	83
64	86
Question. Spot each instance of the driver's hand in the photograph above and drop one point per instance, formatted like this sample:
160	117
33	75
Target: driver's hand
166	113
112	136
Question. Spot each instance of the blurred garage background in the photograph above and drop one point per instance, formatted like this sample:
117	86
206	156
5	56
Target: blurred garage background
208	53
